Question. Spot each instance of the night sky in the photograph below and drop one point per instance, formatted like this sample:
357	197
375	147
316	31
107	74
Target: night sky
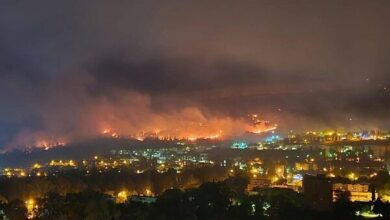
69	69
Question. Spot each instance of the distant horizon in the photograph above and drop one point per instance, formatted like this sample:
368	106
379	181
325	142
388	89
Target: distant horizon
247	136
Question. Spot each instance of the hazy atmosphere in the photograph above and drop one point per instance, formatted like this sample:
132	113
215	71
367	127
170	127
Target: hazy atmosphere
75	69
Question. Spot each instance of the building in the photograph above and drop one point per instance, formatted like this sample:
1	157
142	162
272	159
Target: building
143	199
256	182
239	145
305	166
318	192
358	192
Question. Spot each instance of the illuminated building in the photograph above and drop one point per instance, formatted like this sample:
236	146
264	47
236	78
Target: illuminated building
239	145
272	139
279	170
359	192
256	182
305	166
69	163
296	180
143	199
14	172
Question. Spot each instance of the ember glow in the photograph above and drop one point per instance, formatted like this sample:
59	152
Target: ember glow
47	144
121	119
197	127
260	126
29	140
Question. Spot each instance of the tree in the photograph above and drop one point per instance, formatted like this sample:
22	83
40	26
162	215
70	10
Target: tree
343	207
382	208
211	200
237	186
173	204
14	210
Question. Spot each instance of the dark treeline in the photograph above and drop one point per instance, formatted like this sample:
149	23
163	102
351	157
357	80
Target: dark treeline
199	193
110	182
213	200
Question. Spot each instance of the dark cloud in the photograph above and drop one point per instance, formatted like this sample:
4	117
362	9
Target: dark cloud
303	64
171	76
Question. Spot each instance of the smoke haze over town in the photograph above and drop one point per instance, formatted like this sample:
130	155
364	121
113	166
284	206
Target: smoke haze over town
73	70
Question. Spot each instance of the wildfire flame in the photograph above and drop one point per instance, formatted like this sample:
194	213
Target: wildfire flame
259	126
188	124
48	144
198	130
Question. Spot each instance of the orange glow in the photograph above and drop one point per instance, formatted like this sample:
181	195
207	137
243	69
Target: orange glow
259	126
110	132
149	192
192	138
114	135
201	133
31	206
189	123
196	127
122	120
48	144
122	196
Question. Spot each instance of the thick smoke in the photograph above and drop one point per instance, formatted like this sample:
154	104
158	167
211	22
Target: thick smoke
73	69
70	108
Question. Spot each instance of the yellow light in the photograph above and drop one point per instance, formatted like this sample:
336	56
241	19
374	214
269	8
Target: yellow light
148	192
96	157
36	166
30	205
254	171
39	174
352	176
30	202
192	138
122	197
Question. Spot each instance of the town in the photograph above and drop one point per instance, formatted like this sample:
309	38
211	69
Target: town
322	166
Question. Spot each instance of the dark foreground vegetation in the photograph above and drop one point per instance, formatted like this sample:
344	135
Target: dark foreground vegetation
194	194
222	200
